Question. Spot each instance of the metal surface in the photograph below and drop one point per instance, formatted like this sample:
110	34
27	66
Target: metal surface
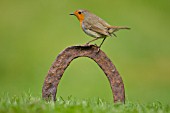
64	59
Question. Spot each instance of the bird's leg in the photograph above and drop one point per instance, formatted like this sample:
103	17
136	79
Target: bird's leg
91	41
101	45
102	42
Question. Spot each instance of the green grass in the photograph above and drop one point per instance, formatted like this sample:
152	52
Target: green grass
26	103
34	32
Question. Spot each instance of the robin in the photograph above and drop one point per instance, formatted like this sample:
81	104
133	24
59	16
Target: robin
94	26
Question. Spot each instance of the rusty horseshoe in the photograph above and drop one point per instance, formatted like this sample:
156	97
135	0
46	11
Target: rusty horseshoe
63	60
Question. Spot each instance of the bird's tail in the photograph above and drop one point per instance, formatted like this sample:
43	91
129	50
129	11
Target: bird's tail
113	29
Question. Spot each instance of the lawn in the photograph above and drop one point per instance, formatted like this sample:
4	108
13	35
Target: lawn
26	103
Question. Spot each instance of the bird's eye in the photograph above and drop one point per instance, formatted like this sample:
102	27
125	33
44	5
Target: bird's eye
79	12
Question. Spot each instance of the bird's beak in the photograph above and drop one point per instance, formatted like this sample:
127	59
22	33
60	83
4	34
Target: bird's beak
72	14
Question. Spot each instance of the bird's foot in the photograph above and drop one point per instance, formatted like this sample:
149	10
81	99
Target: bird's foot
98	48
87	44
96	45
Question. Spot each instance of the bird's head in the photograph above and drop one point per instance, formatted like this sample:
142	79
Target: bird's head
80	14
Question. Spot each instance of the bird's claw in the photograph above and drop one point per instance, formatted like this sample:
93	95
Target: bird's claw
98	50
87	44
96	45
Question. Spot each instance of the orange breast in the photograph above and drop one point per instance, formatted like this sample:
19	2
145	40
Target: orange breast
81	22
80	17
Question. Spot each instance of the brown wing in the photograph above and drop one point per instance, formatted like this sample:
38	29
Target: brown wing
96	27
